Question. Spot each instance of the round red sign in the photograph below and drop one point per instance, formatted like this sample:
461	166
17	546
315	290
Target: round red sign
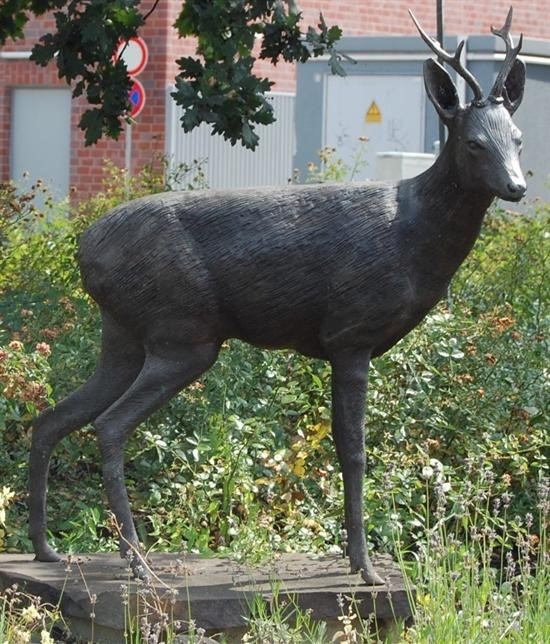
134	53
137	98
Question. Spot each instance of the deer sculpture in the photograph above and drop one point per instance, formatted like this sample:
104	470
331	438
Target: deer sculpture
334	271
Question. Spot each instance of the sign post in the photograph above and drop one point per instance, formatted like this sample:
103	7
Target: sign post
135	54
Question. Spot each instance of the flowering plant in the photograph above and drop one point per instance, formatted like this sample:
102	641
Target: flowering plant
23	381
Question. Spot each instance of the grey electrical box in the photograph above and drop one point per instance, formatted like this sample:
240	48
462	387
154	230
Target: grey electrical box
362	117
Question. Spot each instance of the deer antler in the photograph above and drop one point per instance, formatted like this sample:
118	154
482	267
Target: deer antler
452	60
510	57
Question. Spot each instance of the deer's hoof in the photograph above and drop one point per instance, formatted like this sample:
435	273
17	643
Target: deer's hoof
368	574
46	554
371	578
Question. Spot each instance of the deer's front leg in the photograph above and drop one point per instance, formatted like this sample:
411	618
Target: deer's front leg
349	389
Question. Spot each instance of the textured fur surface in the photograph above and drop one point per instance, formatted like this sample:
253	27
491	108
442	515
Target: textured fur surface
304	267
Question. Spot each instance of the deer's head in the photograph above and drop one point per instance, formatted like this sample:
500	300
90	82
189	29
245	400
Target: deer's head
483	142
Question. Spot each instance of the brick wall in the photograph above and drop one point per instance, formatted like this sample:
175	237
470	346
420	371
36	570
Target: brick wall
356	17
361	17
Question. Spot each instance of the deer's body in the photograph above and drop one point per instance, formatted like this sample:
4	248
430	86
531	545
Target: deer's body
311	268
264	266
339	272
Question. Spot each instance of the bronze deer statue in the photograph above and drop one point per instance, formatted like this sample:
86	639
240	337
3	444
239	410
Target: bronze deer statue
334	271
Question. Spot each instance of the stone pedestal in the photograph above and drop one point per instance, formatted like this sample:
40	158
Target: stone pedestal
217	594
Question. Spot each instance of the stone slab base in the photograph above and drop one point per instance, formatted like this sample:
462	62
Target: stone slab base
217	594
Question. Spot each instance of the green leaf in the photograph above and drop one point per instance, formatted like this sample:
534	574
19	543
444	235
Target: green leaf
92	124
249	137
335	64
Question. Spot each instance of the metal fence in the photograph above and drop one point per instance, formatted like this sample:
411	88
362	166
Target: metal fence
228	166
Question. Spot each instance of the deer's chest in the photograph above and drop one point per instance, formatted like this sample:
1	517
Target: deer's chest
379	316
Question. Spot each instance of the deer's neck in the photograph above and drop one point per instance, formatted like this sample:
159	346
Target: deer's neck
439	221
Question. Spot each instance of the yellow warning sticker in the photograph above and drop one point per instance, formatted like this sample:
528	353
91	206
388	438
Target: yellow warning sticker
373	114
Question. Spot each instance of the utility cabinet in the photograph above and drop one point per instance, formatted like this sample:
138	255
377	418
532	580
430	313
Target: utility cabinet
363	117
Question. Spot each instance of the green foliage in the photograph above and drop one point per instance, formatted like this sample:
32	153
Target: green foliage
218	87
470	382
330	167
282	620
16	208
466	386
87	35
49	330
14	15
479	574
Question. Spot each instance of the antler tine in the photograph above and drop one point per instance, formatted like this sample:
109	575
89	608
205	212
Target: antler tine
510	56
453	60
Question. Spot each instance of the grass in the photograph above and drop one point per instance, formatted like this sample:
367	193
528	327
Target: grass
480	574
24	618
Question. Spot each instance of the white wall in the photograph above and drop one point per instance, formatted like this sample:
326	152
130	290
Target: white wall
40	143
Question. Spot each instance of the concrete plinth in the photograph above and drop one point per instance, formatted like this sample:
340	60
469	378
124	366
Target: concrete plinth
217	594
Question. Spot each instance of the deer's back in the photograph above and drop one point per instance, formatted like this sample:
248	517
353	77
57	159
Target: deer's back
287	267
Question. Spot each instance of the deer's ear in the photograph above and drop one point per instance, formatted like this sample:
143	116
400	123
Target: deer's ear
441	90
513	87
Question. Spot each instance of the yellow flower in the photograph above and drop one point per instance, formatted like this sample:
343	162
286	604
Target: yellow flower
298	467
317	433
424	600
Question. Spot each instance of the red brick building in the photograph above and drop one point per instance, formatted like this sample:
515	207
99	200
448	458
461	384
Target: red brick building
356	17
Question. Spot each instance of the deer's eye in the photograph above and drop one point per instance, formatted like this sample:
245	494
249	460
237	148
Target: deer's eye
475	146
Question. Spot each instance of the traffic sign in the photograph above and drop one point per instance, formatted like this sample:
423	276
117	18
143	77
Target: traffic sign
134	53
137	98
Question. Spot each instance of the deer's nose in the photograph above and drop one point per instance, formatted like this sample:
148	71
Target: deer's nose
517	188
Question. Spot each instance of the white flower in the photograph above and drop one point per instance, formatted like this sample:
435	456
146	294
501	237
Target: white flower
20	637
46	638
30	614
6	495
427	472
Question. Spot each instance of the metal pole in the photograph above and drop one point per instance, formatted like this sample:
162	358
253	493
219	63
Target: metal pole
127	157
440	9
440	35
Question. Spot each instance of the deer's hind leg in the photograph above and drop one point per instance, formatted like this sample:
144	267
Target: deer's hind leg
119	364
165	373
